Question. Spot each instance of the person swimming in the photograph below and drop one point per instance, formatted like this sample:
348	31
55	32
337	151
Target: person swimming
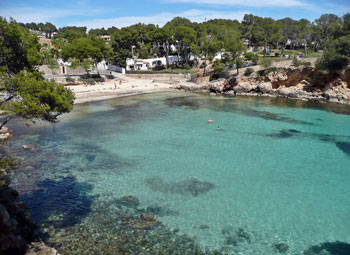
227	122
219	128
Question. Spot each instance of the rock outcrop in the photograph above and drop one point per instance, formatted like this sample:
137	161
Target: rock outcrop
296	82
17	230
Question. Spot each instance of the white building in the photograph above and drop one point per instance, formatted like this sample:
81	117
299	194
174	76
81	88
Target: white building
107	38
149	63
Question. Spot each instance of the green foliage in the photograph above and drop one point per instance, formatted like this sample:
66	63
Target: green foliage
296	61
18	48
89	81
336	56
35	97
214	77
8	163
249	55
266	62
271	70
187	67
85	52
303	63
24	92
70	80
71	33
248	71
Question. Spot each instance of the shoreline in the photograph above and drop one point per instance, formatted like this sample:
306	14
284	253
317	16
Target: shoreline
290	82
123	86
86	98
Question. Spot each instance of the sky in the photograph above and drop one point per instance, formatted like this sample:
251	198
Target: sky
121	13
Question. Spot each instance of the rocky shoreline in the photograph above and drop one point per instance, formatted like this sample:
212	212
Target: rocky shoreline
18	232
306	83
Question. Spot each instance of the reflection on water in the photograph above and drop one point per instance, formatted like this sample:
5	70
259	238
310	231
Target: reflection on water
149	175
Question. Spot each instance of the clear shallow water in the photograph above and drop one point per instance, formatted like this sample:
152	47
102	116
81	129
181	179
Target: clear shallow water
278	173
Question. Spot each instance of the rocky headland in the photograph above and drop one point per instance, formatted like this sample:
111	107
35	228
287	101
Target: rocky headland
305	83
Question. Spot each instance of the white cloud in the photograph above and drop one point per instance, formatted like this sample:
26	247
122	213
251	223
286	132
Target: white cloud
250	3
30	14
162	18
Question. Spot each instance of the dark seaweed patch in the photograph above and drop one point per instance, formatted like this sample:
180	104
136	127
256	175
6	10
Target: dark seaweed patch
334	248
283	134
63	202
344	147
190	186
294	131
272	116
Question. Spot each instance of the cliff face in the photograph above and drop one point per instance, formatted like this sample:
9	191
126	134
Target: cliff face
298	82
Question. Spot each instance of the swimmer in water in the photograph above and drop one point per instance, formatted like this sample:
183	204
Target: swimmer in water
219	128
210	121
227	122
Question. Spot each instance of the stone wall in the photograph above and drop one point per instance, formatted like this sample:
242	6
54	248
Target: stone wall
61	70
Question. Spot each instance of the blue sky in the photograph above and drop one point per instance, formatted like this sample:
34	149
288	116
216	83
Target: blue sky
119	13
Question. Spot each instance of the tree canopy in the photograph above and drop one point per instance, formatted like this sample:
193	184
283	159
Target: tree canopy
24	92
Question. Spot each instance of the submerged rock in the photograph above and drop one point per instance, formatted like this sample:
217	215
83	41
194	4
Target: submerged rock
145	222
243	235
282	247
29	147
130	201
190	186
203	227
39	248
330	248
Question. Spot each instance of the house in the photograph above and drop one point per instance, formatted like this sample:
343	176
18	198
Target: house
44	42
150	63
107	38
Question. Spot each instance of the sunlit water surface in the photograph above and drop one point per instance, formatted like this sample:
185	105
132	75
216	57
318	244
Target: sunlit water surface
279	172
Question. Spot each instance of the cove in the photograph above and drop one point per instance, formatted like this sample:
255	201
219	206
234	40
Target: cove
275	179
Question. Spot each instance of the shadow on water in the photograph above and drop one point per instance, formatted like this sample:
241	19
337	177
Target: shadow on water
334	248
271	116
60	203
342	145
224	104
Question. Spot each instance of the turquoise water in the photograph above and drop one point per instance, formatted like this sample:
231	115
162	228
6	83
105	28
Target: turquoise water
279	172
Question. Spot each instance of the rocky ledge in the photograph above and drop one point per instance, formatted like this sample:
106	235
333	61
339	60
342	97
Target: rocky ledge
305	83
17	230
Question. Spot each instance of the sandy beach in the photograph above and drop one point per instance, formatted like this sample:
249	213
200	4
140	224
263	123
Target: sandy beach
123	86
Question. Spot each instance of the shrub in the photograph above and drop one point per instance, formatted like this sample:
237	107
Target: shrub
296	61
255	59
159	67
70	79
305	63
249	55
214	77
266	62
187	67
271	70
248	71
89	81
